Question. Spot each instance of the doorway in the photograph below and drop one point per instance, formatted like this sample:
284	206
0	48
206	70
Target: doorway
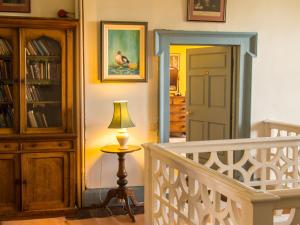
201	92
246	47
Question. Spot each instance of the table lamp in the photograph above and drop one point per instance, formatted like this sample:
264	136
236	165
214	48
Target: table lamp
121	120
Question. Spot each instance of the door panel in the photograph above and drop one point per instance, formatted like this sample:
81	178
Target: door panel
209	80
46	180
197	96
217	92
216	131
197	130
9	183
208	60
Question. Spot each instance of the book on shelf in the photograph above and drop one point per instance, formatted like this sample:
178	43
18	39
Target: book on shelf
32	93
5	94
37	119
6	117
5	70
5	48
31	119
43	46
43	71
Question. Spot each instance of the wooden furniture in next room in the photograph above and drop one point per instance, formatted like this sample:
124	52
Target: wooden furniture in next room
38	116
177	115
121	192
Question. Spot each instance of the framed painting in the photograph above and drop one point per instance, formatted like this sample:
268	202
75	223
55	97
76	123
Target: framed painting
22	6
207	10
175	61
123	51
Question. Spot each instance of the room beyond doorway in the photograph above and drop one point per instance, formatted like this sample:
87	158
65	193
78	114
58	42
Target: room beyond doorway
201	92
247	45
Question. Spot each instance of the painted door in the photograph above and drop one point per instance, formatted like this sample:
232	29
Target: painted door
209	85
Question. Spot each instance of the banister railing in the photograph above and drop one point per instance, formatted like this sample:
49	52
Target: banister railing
275	128
181	191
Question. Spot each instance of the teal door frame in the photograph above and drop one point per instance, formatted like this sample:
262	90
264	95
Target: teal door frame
247	43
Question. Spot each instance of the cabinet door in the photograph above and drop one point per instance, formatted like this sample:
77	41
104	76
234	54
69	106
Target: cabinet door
9	81
47	180
43	76
9	183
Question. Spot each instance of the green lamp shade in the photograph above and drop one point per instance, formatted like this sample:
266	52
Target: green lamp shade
121	118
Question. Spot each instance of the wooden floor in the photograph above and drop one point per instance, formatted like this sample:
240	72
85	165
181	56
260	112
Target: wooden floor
114	220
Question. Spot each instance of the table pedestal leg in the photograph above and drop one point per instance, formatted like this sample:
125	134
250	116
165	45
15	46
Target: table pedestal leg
122	192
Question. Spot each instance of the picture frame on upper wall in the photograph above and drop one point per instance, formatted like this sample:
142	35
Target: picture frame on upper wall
124	51
206	10
20	6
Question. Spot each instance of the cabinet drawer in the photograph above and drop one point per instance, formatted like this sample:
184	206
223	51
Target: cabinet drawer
177	127
177	108
48	145
9	146
177	117
178	101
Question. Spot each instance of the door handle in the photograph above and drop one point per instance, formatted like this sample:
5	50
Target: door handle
189	112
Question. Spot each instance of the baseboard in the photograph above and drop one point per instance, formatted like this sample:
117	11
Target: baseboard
92	197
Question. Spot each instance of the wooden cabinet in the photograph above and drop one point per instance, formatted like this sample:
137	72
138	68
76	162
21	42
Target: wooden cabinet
9	183
38	115
46	180
177	115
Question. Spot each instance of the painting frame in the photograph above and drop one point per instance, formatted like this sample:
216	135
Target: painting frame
206	10
119	62
175	60
24	7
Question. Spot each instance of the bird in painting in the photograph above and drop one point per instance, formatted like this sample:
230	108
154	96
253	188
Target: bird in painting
121	59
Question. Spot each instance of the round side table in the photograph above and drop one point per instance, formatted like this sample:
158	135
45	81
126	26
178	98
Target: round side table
121	192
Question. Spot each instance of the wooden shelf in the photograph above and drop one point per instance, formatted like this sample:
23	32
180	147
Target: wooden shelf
5	103
42	82
6	57
44	102
44	58
6	82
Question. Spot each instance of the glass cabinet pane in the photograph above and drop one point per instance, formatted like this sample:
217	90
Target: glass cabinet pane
43	83
6	84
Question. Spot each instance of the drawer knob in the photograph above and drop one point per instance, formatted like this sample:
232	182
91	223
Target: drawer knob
6	146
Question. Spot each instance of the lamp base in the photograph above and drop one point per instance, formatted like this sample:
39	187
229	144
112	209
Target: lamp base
123	137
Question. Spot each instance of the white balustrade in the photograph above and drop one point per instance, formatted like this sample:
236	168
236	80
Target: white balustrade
225	182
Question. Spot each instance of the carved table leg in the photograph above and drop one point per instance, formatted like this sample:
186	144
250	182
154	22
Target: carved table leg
132	197
112	193
122	192
128	208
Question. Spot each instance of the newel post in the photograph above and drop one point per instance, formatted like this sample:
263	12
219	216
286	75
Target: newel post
148	196
263	213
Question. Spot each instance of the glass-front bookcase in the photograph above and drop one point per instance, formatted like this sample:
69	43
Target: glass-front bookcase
39	120
8	80
44	81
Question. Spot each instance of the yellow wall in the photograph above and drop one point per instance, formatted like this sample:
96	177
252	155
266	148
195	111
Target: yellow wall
181	50
275	80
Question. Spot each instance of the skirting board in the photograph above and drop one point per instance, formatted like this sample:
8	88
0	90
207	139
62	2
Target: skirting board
93	197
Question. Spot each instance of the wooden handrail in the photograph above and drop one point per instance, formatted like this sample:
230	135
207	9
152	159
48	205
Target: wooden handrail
280	126
231	144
